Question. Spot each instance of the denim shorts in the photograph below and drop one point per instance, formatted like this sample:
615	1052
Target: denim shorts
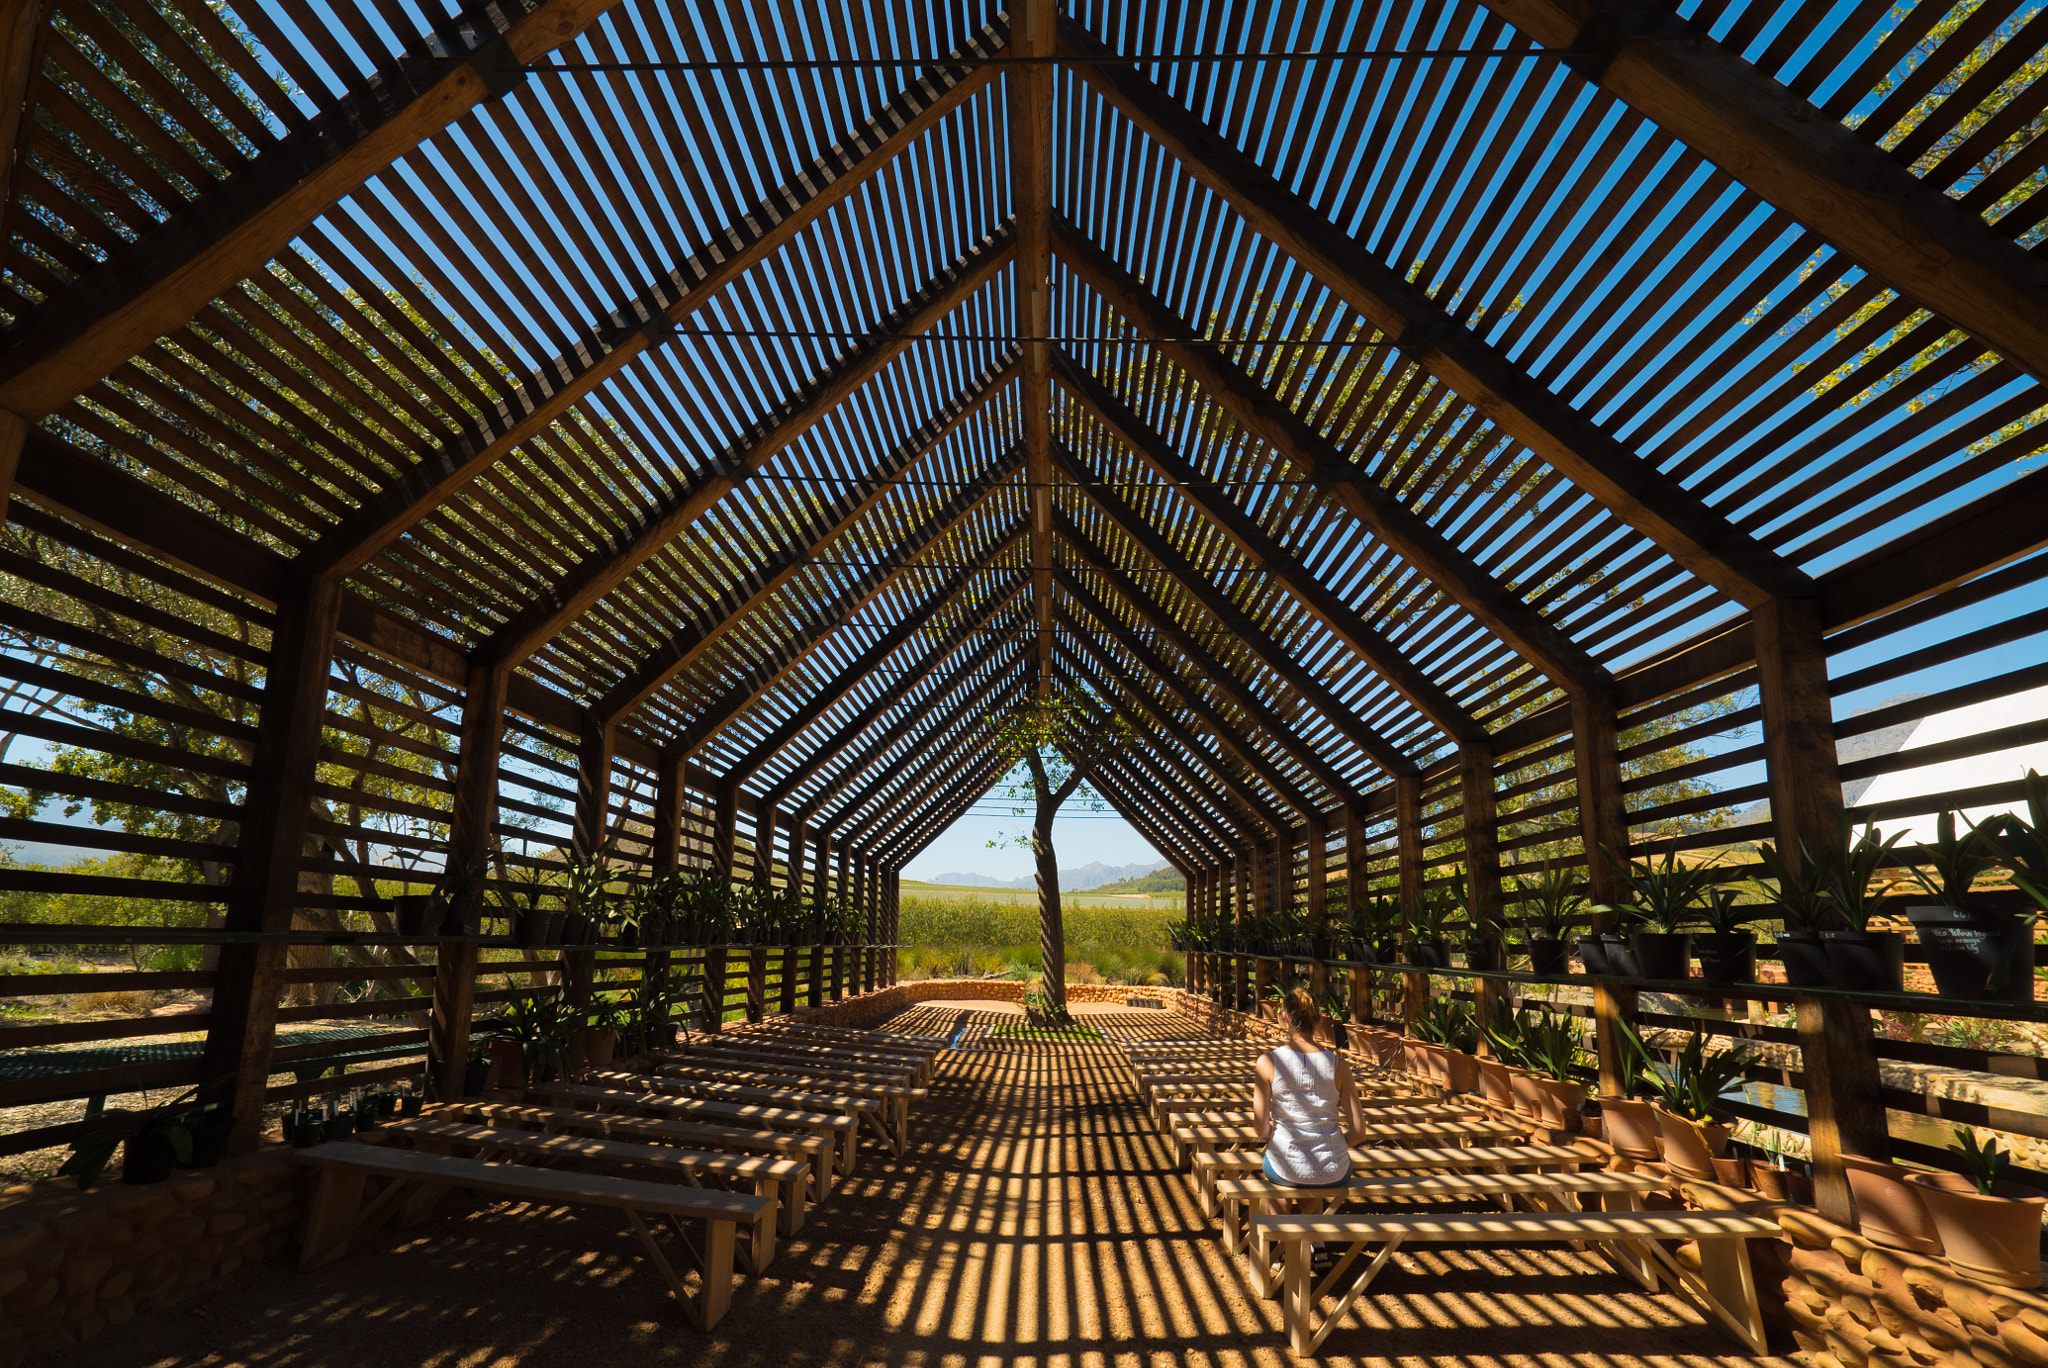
1266	1166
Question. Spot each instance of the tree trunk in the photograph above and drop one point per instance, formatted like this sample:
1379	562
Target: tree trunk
1052	933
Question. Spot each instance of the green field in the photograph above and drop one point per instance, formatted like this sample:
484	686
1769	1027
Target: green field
981	932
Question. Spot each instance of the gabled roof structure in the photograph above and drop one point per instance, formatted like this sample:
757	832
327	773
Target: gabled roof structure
1381	409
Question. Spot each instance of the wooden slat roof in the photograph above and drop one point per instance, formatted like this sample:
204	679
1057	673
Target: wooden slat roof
1383	398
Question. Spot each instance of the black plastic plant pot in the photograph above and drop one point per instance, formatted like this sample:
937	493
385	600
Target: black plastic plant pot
1428	954
147	1158
1727	956
409	1103
308	1130
341	1124
210	1139
533	926
1867	961
1549	958
411	911
1621	958
1485	952
474	1077
1963	951
1805	957
1662	954
1593	950
452	923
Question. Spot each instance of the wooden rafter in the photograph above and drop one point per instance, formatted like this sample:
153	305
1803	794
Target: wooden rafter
609	343
157	284
1412	682
1032	34
592	580
1689	532
1831	178
668	660
1212	822
1151	822
1310	458
876	773
949	758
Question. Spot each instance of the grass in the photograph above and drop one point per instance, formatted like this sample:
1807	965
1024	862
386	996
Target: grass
980	937
1028	897
1047	1033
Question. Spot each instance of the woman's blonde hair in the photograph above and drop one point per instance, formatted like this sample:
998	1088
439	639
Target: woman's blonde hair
1301	1010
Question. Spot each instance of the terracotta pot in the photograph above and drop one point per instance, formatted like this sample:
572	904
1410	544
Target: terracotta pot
1889	1211
1496	1083
1528	1091
1463	1071
1732	1172
1632	1128
1689	1146
598	1047
1561	1103
1997	1238
510	1059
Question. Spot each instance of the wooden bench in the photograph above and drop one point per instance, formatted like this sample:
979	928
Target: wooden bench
1240	1200
1724	1289
1189	1140
337	1214
1211	1167
890	1118
510	1144
919	1067
726	1085
862	1071
804	1154
836	1131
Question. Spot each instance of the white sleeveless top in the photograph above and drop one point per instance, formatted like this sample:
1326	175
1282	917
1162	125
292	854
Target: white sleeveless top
1308	1131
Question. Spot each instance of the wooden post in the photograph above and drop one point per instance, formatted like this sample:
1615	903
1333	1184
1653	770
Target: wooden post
817	977
669	797
1613	1003
1482	838
1319	896
1603	816
1408	836
469	843
757	982
275	807
821	879
1845	1111
1262	880
799	836
787	994
1799	735
713	990
13	427
1361	995
1414	998
1240	979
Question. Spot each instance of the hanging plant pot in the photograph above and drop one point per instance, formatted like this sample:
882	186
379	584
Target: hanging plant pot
147	1158
1805	957
1496	1083
1662	954
1889	1210
1593	950
1549	958
1995	1238
1726	956
411	911
1867	961
1690	1146
1632	1129
1427	954
1964	949
1485	953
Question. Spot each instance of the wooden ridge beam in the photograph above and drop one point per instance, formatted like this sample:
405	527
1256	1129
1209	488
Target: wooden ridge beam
1312	459
1833	179
1157	719
1248	699
674	655
1233	823
1033	33
1413	683
840	741
592	579
1666	512
1193	700
159	283
611	342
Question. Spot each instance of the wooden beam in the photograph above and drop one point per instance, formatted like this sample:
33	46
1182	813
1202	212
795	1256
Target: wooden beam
725	814
474	813
1318	839
1603	815
1249	700
874	781
764	846
580	590
275	809
2000	527
1143	810
670	799
1032	34
1210	824
1192	698
1481	837
589	821
1313	459
22	26
1408	837
1831	178
1800	760
1845	1098
1635	491
668	660
157	284
1271	653
13	433
611	342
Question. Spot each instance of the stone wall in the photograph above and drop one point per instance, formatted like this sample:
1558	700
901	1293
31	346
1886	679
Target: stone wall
74	1263
869	1008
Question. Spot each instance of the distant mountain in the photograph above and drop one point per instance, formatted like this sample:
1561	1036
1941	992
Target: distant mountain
1091	875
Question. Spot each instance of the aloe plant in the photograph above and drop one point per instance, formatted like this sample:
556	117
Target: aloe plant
1957	861
1692	1081
1554	898
1851	866
1552	1043
1449	1022
1803	898
1984	1164
1668	896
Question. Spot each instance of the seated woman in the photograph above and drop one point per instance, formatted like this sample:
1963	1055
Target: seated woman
1305	1105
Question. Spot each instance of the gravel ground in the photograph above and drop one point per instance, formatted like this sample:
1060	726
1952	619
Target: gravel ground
1037	1220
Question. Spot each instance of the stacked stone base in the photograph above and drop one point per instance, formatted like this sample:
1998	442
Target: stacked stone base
870	1008
74	1263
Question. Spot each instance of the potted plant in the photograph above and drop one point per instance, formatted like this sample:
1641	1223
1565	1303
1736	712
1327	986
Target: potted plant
601	1036
411	912
1448	1023
1658	900
1990	1228
1426	947
451	898
540	1021
1693	1082
586	898
1984	954
1503	1037
1552	901
1804	903
527	921
1630	1123
1552	1043
477	1073
1728	950
1858	957
153	1142
1889	1210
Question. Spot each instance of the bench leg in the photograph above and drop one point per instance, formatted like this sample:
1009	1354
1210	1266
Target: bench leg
1297	1305
761	1242
794	1202
714	1295
337	1197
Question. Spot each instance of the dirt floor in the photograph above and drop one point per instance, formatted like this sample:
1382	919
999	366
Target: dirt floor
1037	1220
